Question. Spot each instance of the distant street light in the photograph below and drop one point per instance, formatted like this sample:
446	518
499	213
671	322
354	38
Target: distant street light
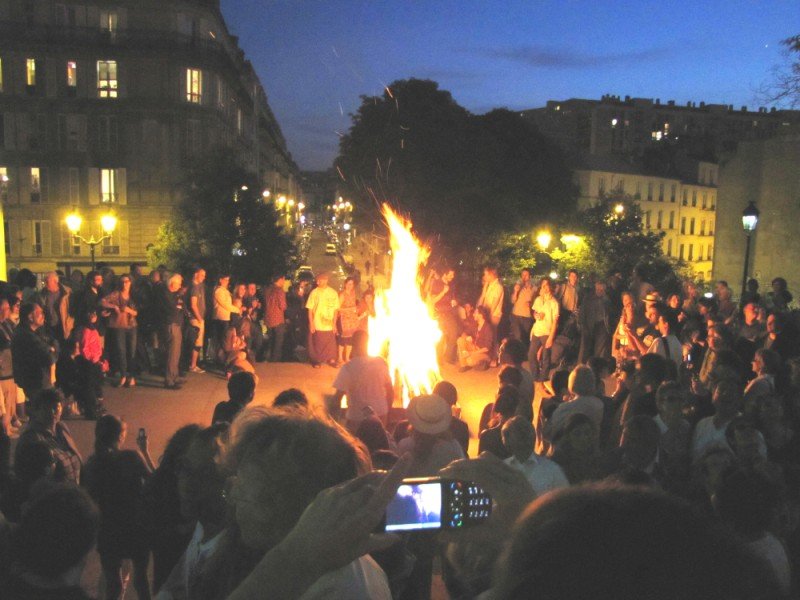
749	223
619	208
543	238
108	222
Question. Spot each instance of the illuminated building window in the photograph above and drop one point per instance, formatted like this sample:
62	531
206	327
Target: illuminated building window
72	74
108	186
36	185
1	74
109	20
110	244
30	72
194	86
239	121
107	84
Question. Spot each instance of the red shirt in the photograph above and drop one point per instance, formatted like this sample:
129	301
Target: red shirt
90	345
275	305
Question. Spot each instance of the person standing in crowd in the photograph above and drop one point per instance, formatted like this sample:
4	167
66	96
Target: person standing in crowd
89	298
223	309
780	297
275	306
726	307
90	367
710	431
595	326
521	301
171	313
348	318
197	316
323	306
366	382
123	326
622	348
442	297
46	426
241	391
115	480
8	388
492	296
33	354
543	332
667	344
55	300
570	296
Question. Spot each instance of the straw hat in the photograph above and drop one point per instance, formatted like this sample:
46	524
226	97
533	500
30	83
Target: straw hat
429	414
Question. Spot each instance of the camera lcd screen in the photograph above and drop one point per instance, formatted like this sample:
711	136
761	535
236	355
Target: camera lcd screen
415	506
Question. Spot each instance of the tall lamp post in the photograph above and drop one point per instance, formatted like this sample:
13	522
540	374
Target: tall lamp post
749	223
108	222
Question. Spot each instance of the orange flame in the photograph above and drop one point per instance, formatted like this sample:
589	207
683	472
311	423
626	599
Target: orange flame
403	329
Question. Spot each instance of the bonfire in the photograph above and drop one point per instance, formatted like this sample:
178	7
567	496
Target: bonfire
403	329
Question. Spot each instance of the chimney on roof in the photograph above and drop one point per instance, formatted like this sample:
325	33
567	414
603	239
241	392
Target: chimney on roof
702	104
773	109
627	98
689	104
744	109
671	102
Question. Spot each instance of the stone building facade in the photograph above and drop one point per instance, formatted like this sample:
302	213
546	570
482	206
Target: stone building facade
104	105
767	173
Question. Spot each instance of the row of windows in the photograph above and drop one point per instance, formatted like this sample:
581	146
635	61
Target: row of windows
660	224
106	71
652	192
105	186
704	252
25	237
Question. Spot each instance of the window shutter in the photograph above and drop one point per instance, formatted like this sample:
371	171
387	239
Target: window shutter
47	239
43	183
124	239
94	186
122	186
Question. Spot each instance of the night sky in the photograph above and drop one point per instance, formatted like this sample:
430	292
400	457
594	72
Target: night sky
315	57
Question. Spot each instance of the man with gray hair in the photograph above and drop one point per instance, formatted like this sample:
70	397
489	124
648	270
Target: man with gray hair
54	299
170	313
583	389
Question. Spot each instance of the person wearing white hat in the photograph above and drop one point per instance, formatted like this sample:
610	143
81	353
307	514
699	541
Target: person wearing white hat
431	442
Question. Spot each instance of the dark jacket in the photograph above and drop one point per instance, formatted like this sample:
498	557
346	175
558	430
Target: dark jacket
32	355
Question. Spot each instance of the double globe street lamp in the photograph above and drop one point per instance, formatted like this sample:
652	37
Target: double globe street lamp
108	222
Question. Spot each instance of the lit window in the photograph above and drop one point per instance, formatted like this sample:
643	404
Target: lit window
107	79
110	244
75	244
30	72
108	186
194	85
36	185
1	74
108	23
614	122
72	74
239	121
3	183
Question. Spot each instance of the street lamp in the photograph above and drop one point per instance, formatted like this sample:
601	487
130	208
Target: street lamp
619	208
108	222
543	238
749	223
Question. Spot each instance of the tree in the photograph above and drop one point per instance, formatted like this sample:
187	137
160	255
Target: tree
223	223
784	88
462	178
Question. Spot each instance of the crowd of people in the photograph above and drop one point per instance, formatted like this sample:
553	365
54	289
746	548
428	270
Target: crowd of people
680	480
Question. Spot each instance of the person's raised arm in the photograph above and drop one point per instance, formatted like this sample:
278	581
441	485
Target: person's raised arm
334	530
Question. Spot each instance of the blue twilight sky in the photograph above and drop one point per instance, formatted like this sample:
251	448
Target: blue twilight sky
315	57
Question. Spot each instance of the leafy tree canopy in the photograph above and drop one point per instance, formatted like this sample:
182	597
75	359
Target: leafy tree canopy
462	178
223	224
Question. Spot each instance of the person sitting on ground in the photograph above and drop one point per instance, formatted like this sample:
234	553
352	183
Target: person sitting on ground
431	442
234	349
727	400
201	486
115	479
747	502
582	386
241	391
281	462
169	530
476	351
293	398
542	473
51	546
46	425
366	382
576	451
505	407
458	427
33	464
514	353
675	435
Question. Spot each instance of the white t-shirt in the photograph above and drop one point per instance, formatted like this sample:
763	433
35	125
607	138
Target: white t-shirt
548	310
588	405
362	579
323	304
364	379
675	349
492	298
707	435
542	473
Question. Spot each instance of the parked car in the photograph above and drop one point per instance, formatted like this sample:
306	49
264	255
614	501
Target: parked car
330	249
